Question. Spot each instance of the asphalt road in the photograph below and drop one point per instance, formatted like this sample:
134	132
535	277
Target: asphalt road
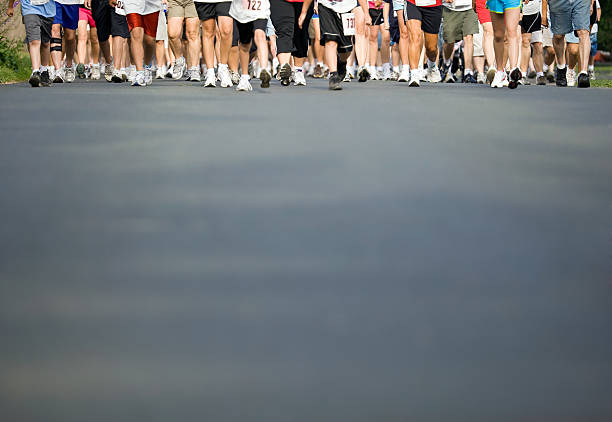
380	254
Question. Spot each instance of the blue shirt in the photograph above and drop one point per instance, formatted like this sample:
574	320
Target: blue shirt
47	10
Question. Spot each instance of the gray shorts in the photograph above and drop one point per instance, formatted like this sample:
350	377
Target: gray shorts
38	28
569	15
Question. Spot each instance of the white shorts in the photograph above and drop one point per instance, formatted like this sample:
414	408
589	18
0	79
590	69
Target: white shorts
162	29
537	37
141	7
547	37
478	51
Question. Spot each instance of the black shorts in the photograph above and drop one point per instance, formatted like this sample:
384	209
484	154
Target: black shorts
119	25
247	30
290	38
235	35
212	10
377	16
430	17
332	30
531	23
108	22
394	31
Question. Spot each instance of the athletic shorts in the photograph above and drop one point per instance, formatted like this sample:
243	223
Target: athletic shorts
212	10
38	28
478	50
531	23
148	22
235	37
394	30
536	36
67	15
547	37
484	14
247	30
569	15
430	17
181	9
458	24
108	22
377	16
332	30
290	37
593	44
85	15
500	6
162	29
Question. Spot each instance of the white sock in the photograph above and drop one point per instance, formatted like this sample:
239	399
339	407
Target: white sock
298	68
431	64
405	67
396	69
222	66
447	62
540	74
591	67
561	66
468	71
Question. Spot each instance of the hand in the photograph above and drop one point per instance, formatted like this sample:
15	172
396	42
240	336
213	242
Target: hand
368	19
526	1
386	25
316	9
544	21
377	3
87	4
112	3
301	19
10	12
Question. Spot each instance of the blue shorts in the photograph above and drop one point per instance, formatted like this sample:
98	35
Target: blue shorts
569	15
315	16
67	15
500	6
593	44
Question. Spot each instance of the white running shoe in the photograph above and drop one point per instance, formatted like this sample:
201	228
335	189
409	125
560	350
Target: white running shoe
386	73
300	79
404	75
373	73
179	68
170	72
195	74
244	84
225	77
481	78
433	74
210	80
415	81
148	75
131	73
500	80
117	76
160	73
108	72
571	77
95	72
70	74
139	78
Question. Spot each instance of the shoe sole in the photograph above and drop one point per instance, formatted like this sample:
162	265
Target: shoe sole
490	77
80	71
364	75
210	85
265	79
35	82
285	75
512	84
414	84
117	79
58	81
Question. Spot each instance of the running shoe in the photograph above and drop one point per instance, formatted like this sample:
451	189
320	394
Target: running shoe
264	76
132	73
404	75
300	79
433	74
35	79
160	73
148	75
210	80
70	75
187	75
491	75
444	70
583	80
394	75
195	74
124	75
481	78
500	80
170	72
571	77
532	74
386	73
139	79
285	74
95	72
469	79
347	77
373	74
524	81
561	77
80	70
415	80
45	80
515	77
449	78
363	74
108	73
318	71
178	71
117	76
541	80
325	72
59	77
88	71
310	72
244	84
550	76
335	81
235	77
224	76
592	75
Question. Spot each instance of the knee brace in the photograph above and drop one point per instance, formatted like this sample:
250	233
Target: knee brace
56	44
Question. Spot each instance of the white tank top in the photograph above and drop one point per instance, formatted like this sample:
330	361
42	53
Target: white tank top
249	10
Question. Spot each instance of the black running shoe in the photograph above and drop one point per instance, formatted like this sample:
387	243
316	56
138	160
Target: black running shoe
561	77
541	80
444	70
515	77
341	69
35	79
584	80
469	79
81	71
45	80
285	74
335	81
363	74
265	77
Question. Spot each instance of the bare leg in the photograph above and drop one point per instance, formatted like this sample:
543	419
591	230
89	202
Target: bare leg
137	47
585	49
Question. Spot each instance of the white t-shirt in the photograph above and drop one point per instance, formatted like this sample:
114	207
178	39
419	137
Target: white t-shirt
458	5
68	1
249	10
339	6
533	7
142	7
211	1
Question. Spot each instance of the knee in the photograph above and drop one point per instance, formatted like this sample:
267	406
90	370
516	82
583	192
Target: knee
499	36
192	36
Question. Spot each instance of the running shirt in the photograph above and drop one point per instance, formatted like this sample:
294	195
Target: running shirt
372	5
532	8
459	5
67	1
426	3
245	11
339	6
141	7
212	1
44	8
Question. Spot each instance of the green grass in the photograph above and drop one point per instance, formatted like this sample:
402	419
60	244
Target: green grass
602	83
15	65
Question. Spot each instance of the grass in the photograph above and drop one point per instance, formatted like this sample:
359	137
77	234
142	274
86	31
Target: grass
22	73
602	83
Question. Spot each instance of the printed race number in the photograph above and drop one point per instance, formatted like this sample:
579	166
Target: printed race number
251	4
38	2
425	3
119	8
462	3
348	23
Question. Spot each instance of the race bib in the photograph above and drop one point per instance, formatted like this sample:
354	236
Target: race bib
119	9
395	13
251	5
462	3
38	2
348	23
425	3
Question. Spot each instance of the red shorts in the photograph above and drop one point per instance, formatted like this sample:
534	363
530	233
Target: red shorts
148	22
484	14
85	15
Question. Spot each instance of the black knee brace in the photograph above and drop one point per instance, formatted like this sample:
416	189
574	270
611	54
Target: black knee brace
56	44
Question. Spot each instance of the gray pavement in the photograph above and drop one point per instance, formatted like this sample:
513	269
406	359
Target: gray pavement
186	254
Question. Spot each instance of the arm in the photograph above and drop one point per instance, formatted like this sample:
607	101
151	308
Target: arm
598	13
545	13
386	15
305	7
592	5
366	11
9	9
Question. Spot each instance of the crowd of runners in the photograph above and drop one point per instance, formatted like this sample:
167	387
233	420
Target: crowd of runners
503	43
